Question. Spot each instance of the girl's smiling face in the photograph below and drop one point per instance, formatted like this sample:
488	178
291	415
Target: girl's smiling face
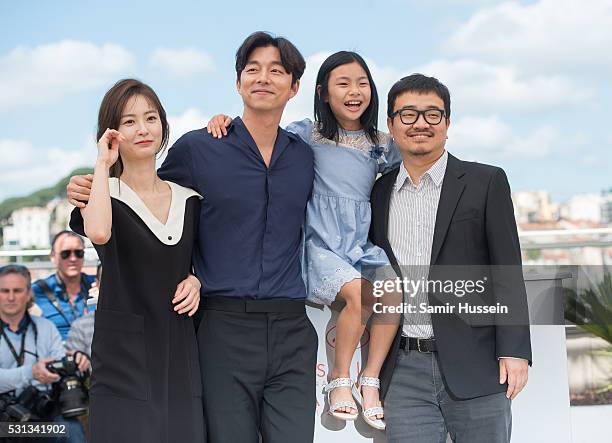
348	94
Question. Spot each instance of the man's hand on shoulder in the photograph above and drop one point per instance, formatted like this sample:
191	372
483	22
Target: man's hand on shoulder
516	372
218	124
78	190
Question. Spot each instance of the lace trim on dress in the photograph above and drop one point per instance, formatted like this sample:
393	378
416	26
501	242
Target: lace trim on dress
330	286
352	140
358	141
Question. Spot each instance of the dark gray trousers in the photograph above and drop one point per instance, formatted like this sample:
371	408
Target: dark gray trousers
258	376
418	408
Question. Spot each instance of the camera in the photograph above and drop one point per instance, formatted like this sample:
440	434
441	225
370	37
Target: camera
10	410
31	404
70	391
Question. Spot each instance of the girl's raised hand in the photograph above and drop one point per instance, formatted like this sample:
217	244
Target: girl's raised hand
217	126
108	146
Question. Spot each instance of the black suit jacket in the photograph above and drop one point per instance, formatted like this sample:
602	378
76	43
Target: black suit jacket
474	226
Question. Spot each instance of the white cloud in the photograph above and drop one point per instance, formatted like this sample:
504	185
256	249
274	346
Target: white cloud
490	139
189	120
475	85
539	144
25	168
181	63
301	106
478	133
385	77
43	74
547	33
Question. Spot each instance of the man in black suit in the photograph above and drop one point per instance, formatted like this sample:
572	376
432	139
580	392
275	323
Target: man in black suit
447	372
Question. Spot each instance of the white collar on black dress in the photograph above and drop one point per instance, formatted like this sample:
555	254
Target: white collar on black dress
169	233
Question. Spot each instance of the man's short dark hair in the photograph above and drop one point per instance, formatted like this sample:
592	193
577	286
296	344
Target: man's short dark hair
17	269
291	59
65	232
419	84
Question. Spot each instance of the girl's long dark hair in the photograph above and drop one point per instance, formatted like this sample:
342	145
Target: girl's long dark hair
328	124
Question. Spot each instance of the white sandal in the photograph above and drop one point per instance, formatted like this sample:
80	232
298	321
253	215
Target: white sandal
333	408
369	415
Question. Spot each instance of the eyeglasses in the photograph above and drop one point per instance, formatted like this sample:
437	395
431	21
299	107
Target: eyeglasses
409	116
78	253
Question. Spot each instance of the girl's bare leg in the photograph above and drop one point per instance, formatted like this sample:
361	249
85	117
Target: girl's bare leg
349	329
382	332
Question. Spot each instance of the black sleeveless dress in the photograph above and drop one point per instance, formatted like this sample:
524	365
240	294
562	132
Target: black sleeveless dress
146	379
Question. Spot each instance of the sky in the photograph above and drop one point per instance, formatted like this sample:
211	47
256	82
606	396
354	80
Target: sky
529	80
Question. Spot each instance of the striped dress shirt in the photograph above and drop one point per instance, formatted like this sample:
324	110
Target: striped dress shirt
81	334
412	218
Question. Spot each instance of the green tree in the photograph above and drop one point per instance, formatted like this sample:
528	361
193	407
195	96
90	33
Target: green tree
40	197
591	308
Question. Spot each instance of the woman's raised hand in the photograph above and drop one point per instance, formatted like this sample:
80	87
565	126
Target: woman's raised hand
217	126
108	147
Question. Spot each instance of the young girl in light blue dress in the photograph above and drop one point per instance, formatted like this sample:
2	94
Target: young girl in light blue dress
349	152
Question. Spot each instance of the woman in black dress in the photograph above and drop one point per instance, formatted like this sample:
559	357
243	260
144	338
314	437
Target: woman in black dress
146	377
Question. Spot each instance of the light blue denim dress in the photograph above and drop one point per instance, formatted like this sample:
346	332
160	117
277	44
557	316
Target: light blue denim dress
338	213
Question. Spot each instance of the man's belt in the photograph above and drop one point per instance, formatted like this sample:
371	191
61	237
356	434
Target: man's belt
230	304
418	344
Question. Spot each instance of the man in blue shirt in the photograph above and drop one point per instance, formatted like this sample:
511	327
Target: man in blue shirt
257	346
28	343
62	296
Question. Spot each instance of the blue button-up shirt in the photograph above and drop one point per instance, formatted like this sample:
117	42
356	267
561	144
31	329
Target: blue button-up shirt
250	230
68	313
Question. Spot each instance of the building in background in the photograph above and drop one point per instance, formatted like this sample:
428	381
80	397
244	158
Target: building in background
33	227
606	207
534	207
583	207
28	229
60	215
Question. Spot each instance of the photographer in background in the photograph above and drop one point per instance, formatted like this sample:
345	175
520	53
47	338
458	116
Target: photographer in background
28	343
62	296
